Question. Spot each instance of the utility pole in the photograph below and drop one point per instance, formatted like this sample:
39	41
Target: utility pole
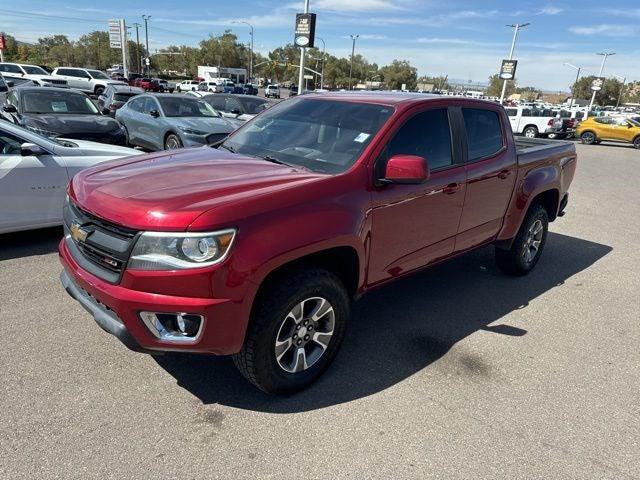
146	34
324	49
138	59
516	27
604	59
353	49
303	50
624	81
575	84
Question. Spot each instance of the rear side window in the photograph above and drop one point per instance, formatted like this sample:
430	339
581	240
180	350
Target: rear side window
427	135
484	134
512	112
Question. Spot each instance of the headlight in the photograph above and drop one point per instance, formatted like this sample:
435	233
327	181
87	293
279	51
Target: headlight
178	251
191	131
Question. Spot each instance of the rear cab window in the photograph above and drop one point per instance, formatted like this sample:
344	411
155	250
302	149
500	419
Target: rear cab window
484	133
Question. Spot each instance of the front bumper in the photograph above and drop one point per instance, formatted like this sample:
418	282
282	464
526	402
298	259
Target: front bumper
116	309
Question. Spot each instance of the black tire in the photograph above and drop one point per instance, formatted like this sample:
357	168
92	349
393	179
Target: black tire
530	132
636	142
98	91
588	138
171	140
515	260
127	143
257	359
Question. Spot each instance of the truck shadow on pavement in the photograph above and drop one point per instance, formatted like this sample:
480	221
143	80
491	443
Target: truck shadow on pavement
399	330
29	243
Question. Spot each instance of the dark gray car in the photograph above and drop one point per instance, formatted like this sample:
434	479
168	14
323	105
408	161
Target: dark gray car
166	121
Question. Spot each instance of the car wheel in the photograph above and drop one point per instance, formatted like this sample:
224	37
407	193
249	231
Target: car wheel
530	132
296	329
172	142
636	142
126	137
588	138
99	91
527	247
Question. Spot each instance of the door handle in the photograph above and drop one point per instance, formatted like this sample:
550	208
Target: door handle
504	174
451	188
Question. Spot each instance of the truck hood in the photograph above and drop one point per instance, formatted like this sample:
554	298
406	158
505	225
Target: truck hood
169	190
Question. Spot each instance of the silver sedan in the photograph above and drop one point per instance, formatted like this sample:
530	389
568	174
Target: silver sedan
166	122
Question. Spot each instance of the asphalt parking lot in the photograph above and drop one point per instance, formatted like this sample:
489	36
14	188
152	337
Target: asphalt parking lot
456	372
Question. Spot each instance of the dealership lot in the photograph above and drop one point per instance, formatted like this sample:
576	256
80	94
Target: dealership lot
457	372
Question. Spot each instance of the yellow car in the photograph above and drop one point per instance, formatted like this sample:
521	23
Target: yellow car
617	129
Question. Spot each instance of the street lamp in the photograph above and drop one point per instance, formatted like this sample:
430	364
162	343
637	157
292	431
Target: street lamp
624	80
575	84
251	59
604	59
353	48
146	34
516	27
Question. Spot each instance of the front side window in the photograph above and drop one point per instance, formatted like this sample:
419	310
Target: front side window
57	102
426	135
484	133
325	136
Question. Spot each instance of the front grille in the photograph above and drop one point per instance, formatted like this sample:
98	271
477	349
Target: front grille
106	249
56	82
216	137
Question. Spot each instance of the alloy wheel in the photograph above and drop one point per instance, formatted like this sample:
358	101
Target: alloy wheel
532	243
304	335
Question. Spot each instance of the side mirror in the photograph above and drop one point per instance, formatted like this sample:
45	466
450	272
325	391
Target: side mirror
406	169
154	113
10	109
31	149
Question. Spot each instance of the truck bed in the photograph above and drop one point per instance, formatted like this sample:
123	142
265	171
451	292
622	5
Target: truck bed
526	145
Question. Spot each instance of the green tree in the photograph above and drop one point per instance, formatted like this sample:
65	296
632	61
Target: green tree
399	72
495	86
608	95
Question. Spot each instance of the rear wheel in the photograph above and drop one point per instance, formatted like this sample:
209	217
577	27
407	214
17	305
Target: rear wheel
528	245
636	142
172	142
588	138
98	91
530	132
297	326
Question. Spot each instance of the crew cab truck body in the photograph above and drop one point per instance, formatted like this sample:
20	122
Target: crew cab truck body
256	249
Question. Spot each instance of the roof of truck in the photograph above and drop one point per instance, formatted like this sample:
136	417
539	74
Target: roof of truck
380	97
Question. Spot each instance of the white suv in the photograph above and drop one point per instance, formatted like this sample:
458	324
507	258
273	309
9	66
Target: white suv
87	80
32	72
272	91
186	85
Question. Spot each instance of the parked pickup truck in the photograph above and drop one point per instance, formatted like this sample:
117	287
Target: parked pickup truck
256	249
532	123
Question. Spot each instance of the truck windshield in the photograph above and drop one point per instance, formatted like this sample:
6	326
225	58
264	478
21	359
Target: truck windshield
321	135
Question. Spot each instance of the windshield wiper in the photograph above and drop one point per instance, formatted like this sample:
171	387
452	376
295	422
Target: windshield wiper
271	159
227	147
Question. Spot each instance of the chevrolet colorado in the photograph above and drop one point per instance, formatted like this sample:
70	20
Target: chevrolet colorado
256	248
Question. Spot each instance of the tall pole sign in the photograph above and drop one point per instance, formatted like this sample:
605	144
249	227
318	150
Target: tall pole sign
118	39
304	38
517	27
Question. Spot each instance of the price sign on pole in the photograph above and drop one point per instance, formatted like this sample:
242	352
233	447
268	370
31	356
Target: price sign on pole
115	35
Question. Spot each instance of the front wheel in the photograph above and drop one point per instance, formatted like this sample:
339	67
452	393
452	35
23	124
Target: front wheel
99	91
296	328
172	142
528	245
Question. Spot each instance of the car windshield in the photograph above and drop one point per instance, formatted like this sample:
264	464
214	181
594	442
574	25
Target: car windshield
48	101
185	107
253	106
324	136
33	70
98	74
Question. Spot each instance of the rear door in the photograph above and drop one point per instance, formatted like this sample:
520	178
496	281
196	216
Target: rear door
413	225
490	174
32	188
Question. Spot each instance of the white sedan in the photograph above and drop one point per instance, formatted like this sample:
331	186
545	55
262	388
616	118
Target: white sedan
35	171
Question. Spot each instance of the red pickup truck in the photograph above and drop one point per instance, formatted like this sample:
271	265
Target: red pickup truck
256	248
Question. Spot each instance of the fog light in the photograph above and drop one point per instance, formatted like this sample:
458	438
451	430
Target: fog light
179	327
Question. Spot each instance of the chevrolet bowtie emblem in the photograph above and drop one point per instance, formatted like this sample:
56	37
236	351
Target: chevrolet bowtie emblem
78	233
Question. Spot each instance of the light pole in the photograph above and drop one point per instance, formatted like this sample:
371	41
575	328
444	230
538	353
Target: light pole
139	60
146	34
324	49
624	81
251	59
575	84
604	59
516	27
302	52
353	49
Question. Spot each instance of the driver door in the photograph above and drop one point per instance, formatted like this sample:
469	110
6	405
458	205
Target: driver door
32	188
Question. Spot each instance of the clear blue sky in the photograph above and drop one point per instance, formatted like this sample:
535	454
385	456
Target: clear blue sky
463	38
